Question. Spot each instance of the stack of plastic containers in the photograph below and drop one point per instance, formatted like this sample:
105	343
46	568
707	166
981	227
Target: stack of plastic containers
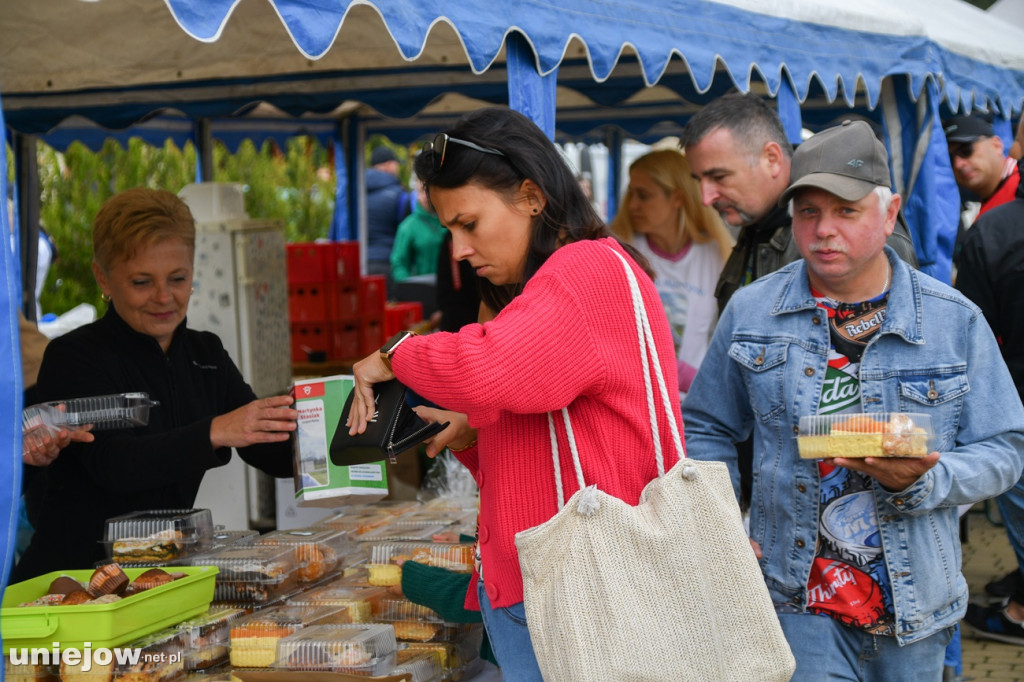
358	649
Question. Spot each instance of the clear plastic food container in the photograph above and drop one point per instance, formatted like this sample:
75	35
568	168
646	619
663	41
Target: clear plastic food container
420	667
206	639
458	658
881	434
317	551
157	536
251	573
362	601
404	530
393	507
355	648
104	412
452	556
356	523
161	657
254	638
28	671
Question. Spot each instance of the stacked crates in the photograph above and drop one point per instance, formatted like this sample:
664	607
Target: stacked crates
336	313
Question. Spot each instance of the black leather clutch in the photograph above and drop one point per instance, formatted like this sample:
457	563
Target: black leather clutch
394	429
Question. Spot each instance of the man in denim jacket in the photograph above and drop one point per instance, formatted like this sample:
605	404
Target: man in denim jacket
861	554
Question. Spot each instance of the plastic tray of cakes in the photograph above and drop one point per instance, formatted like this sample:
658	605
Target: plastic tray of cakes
157	537
356	523
318	552
386	558
357	648
207	638
361	601
457	659
254	638
882	434
252	573
417	623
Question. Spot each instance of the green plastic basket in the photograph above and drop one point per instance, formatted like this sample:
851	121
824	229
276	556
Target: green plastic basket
102	625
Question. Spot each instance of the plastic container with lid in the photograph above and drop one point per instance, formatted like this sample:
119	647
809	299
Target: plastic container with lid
161	657
356	523
420	666
393	507
206	638
456	556
254	638
458	658
251	573
30	672
318	551
361	649
157	536
404	530
104	412
877	434
362	601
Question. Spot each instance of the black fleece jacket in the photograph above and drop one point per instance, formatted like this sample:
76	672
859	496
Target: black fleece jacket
158	466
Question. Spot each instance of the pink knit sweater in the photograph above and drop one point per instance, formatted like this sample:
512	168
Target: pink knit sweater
568	339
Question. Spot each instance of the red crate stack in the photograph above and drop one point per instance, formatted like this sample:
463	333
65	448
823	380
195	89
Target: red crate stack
310	337
400	316
323	292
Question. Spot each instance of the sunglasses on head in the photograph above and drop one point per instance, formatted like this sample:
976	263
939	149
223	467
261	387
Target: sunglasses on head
962	151
439	146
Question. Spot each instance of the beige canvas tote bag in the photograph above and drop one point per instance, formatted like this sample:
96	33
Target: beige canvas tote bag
667	590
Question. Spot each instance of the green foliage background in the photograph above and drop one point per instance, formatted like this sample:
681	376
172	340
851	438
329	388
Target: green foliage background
295	185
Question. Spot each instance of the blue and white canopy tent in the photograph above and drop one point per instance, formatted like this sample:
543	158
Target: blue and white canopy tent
578	66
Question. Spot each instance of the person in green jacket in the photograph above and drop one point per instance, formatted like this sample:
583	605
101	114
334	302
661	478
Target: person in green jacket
417	241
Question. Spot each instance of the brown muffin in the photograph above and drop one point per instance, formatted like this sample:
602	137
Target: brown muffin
154	577
64	585
76	597
108	579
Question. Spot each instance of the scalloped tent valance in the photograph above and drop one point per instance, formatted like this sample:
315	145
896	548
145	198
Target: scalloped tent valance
397	56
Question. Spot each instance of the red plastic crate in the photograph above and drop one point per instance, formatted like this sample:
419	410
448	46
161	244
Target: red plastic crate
310	262
307	301
371	335
345	340
315	336
401	315
346	262
373	295
342	301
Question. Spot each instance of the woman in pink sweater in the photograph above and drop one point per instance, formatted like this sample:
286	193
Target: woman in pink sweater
564	335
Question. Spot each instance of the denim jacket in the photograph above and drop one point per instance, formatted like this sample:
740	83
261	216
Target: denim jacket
934	354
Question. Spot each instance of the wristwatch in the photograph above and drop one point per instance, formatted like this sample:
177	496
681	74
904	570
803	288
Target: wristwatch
388	348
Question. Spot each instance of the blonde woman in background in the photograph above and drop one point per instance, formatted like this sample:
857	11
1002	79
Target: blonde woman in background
686	244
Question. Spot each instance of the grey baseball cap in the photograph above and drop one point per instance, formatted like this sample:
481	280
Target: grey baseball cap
847	160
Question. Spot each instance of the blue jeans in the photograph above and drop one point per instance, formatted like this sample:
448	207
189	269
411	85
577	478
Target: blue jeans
1011	509
825	649
510	639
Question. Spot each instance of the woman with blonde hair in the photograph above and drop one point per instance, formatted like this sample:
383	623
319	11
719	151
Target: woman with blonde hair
685	243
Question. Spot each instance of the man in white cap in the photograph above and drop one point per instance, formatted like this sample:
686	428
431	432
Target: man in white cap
860	552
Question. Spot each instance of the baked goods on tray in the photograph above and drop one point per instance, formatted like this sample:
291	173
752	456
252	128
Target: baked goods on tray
887	434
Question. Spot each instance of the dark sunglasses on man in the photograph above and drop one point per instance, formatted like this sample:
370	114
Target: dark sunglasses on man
964	150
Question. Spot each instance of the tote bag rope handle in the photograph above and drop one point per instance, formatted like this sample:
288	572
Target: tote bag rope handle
647	347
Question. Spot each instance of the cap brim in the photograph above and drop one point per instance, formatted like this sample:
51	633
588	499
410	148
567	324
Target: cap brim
846	188
962	138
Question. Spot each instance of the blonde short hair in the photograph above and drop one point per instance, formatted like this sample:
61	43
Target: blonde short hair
139	218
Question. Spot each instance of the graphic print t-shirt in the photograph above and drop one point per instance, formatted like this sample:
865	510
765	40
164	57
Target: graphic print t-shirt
848	579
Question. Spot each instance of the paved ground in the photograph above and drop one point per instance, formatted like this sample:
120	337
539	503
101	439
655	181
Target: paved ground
987	554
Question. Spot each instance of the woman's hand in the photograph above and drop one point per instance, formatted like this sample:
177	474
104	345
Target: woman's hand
267	420
458	435
42	451
367	372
